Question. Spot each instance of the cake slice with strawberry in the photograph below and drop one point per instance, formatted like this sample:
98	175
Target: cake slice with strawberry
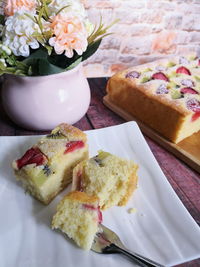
46	168
78	215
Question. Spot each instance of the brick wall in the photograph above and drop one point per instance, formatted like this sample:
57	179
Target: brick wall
147	30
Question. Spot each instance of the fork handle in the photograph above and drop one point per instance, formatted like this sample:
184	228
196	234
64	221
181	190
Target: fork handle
140	260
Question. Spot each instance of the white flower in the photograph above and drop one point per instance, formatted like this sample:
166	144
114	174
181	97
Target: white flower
18	36
74	6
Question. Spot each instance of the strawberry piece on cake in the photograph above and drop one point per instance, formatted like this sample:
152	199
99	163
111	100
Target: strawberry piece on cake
160	76
188	90
183	70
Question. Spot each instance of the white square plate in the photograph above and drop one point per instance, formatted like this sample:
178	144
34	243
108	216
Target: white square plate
161	229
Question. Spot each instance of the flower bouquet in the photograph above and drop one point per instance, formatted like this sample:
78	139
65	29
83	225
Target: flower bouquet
43	37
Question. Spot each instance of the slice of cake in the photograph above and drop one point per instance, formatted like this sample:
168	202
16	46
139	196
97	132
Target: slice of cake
108	177
78	215
46	168
165	95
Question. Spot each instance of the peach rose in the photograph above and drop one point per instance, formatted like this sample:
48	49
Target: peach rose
69	34
11	6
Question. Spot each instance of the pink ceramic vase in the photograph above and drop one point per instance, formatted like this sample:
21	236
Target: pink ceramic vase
41	103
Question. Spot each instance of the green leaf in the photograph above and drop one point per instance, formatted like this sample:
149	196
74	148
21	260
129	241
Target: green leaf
92	48
60	10
30	72
73	65
61	60
19	72
46	68
11	60
2	66
49	49
38	64
8	71
47	34
21	66
100	32
32	66
38	54
48	2
29	16
46	11
2	19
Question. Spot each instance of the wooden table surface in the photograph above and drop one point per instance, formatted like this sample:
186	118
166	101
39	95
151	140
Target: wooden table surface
183	179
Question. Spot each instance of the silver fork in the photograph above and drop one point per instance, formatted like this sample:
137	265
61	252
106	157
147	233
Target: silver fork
107	242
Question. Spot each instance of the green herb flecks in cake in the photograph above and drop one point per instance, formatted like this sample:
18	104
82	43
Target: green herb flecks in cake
175	94
171	64
47	170
147	70
173	75
192	57
56	134
172	85
42	176
197	78
102	155
145	79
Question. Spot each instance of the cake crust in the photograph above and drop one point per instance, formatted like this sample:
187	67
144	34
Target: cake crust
72	132
132	185
81	197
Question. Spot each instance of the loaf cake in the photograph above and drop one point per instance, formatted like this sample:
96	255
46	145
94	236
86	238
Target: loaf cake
78	215
164	95
46	168
108	177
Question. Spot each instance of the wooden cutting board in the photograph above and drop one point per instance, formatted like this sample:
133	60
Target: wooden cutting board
187	150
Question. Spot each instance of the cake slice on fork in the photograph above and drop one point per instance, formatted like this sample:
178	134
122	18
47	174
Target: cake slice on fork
78	215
